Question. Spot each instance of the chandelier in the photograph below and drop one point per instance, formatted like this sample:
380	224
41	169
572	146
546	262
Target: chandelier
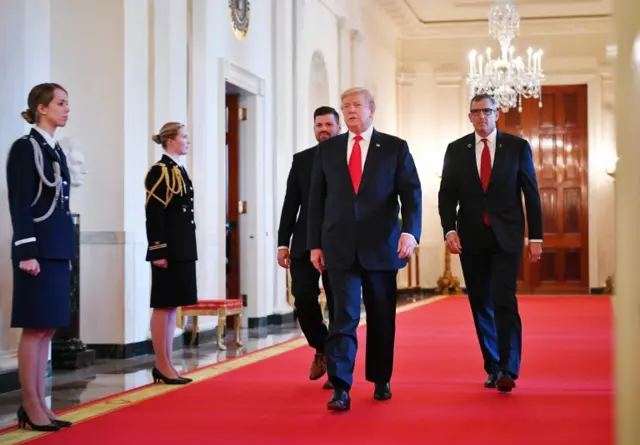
507	78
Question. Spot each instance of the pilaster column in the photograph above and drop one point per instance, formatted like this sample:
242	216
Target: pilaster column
109	122
169	55
626	300
284	136
25	58
207	106
357	60
344	56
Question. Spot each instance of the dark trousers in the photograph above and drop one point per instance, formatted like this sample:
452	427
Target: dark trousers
491	276
305	290
379	292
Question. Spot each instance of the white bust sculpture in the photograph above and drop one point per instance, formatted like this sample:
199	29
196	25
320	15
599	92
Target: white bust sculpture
75	160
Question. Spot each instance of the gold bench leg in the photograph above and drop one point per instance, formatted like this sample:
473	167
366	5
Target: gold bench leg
237	329
222	322
194	330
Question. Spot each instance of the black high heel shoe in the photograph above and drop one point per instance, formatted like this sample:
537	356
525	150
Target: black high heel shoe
159	377
61	423
23	421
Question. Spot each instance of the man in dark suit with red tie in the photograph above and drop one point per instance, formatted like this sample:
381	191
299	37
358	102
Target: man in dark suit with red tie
354	231
484	176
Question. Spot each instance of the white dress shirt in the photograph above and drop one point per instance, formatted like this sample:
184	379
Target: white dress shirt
491	142
364	144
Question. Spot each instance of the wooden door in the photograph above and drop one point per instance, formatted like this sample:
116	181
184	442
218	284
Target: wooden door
232	176
557	133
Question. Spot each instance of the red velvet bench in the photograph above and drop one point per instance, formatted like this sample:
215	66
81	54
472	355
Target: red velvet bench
220	308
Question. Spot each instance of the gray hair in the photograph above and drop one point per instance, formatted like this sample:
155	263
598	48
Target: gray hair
360	90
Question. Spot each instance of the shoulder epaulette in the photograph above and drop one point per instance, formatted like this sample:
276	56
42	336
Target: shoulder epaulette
173	180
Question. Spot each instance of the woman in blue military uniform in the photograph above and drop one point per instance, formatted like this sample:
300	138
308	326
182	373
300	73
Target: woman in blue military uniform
171	233
43	245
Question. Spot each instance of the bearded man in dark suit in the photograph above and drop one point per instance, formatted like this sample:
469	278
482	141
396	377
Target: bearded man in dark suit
293	222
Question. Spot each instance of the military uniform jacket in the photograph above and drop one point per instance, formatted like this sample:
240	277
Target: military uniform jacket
38	183
170	219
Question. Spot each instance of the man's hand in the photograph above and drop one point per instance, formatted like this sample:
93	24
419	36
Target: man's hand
453	243
284	258
535	251
406	246
317	259
32	267
161	263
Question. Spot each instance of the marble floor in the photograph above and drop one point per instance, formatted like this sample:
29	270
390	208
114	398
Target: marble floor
67	389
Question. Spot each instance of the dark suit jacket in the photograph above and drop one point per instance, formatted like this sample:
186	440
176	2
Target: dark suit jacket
513	174
295	199
366	225
54	237
170	219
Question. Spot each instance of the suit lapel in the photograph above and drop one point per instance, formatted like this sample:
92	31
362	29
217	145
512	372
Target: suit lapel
498	160
371	162
48	149
52	153
471	158
64	167
342	142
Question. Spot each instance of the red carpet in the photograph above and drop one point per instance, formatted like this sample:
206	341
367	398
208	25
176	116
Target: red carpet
564	395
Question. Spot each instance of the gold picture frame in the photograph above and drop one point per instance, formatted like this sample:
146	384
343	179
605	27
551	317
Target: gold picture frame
240	17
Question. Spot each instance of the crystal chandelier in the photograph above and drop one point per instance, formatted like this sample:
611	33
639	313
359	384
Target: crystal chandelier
507	78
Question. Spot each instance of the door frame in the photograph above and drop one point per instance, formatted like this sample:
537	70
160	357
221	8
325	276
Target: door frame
257	152
530	271
595	151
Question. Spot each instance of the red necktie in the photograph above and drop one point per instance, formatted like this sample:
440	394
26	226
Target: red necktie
355	163
485	172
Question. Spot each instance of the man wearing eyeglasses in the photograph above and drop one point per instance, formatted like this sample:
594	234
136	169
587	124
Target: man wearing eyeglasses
484	176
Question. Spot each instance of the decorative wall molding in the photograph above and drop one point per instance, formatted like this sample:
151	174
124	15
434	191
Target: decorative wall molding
488	3
107	237
243	78
536	27
400	13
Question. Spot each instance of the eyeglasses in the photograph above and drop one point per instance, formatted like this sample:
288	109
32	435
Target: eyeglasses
485	111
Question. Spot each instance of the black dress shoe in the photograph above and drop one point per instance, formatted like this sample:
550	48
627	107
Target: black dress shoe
340	401
491	381
382	391
505	382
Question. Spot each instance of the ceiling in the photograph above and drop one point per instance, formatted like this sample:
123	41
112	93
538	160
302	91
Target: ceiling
421	18
456	10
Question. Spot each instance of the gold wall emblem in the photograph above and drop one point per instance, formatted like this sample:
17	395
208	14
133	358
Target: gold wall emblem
240	15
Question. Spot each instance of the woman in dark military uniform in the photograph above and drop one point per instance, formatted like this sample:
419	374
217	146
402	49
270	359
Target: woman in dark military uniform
171	233
43	245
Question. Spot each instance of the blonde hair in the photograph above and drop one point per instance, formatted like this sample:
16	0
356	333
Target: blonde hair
360	90
41	94
168	131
